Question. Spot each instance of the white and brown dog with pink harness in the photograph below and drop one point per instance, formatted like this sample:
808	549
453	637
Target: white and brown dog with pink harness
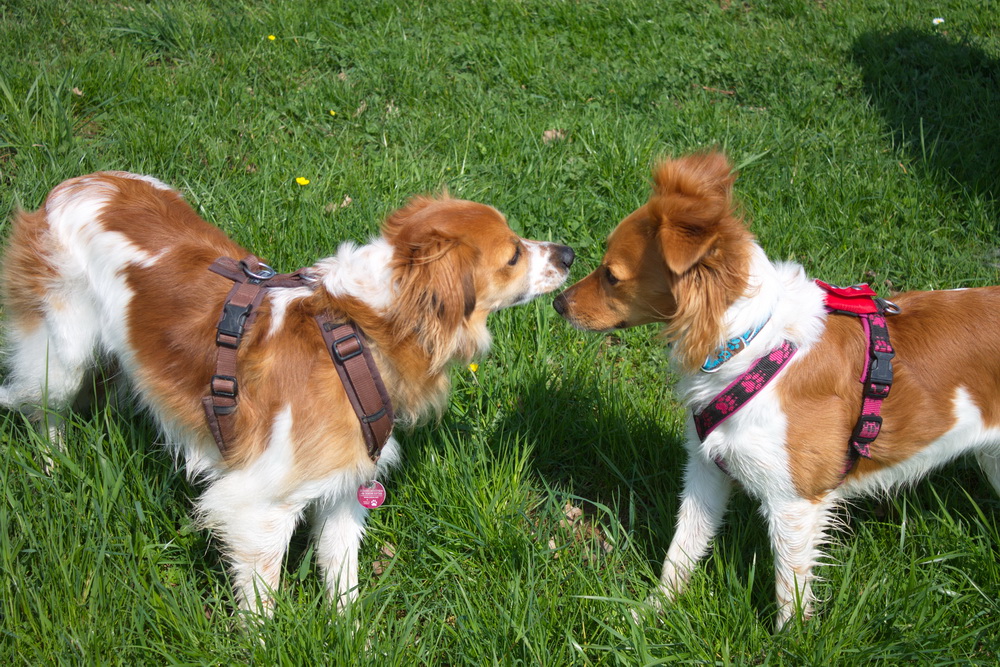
277	392
803	406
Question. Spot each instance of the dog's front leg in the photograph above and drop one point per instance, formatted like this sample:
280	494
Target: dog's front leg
339	527
254	531
703	503
797	529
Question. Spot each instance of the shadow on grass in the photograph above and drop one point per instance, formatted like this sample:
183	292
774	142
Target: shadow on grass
605	448
939	95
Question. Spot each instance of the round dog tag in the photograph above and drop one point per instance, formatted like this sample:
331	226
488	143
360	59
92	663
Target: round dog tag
372	494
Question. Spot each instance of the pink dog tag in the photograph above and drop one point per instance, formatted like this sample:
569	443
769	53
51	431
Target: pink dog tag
371	495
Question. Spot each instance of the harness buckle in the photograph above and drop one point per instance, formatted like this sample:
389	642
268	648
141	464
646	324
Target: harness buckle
227	390
867	429
349	353
880	369
233	319
875	390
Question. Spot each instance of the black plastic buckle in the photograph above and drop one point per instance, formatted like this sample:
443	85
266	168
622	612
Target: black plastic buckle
860	427
220	392
880	368
350	355
233	320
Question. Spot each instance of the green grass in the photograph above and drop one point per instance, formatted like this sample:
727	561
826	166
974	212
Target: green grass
868	148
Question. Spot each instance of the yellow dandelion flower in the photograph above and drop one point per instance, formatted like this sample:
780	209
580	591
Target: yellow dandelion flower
473	367
302	180
332	112
272	37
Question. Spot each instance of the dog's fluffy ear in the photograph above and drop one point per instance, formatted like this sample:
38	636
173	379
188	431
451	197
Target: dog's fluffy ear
691	195
434	273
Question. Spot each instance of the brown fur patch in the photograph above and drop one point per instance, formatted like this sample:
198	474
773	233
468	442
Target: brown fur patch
27	275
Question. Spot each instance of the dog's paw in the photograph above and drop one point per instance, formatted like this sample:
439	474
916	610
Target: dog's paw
654	605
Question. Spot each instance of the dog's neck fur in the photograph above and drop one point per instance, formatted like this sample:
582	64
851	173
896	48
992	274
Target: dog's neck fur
780	294
358	282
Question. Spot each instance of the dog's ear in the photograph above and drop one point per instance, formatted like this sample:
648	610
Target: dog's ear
434	275
691	195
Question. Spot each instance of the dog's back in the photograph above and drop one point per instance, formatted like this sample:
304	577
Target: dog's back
67	286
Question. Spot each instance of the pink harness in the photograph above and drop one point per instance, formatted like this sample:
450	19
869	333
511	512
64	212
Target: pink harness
859	301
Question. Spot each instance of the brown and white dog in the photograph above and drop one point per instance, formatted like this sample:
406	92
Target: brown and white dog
687	260
114	266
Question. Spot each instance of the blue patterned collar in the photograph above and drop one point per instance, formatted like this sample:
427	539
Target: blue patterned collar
731	347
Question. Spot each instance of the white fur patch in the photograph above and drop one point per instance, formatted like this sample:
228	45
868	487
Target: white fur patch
544	272
364	272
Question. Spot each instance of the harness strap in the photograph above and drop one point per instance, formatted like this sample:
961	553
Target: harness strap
238	312
742	389
877	381
861	301
344	342
362	381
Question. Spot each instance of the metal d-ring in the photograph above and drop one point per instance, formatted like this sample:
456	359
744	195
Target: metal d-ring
264	272
891	308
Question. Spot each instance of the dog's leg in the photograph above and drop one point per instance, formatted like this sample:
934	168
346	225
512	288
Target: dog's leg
339	527
989	461
797	529
255	531
703	503
48	360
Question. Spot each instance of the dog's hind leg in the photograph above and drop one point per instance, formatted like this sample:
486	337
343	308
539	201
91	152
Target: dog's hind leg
339	527
797	528
989	461
48	359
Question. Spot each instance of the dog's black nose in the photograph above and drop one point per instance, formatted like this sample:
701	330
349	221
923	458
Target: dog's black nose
560	302
565	256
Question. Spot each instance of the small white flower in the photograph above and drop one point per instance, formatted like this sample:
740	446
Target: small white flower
938	21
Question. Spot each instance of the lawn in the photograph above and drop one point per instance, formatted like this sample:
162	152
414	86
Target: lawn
526	525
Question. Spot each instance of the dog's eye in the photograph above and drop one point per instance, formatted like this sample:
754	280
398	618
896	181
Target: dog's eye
517	256
612	280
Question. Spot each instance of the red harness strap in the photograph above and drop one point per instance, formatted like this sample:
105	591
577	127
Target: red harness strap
344	342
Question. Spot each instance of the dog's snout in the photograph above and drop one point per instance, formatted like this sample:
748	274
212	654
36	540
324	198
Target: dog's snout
560	301
565	256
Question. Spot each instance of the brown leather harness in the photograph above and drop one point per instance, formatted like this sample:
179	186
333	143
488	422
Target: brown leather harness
343	340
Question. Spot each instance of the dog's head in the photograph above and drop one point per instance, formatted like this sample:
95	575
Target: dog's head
680	259
456	261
